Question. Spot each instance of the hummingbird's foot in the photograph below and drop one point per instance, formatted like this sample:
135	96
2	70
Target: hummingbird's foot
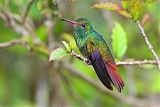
86	61
80	58
76	55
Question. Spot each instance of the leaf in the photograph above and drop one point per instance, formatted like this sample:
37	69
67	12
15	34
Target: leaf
145	19
57	54
124	13
135	8
68	48
124	4
112	6
70	39
119	40
107	6
128	8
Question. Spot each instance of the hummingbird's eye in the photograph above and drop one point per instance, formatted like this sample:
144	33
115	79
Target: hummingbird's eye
83	25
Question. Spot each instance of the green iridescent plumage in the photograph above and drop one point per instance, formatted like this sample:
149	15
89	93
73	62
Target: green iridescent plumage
93	47
82	35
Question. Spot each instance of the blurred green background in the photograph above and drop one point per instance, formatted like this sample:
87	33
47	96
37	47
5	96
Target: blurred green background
28	79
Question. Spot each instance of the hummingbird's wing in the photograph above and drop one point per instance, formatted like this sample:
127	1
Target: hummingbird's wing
104	65
99	66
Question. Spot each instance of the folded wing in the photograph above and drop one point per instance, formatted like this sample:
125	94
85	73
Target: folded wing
105	69
99	66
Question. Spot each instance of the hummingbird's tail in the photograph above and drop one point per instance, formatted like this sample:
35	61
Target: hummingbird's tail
113	74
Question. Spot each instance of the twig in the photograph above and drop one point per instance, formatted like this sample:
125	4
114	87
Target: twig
50	37
119	63
13	22
80	58
27	11
5	17
150	47
136	62
14	42
135	102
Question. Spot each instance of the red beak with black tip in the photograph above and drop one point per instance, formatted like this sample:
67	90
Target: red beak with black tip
71	22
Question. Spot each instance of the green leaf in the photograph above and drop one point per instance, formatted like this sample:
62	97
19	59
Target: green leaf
135	7
128	8
124	4
68	48
58	53
70	40
119	40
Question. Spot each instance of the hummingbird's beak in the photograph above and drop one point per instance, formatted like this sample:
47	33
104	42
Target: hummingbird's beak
71	22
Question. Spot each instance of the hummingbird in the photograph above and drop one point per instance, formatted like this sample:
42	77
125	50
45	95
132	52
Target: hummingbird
95	49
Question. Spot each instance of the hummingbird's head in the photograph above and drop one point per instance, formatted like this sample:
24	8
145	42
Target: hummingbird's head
84	25
81	26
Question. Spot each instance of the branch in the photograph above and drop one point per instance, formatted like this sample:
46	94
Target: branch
27	11
5	17
79	57
50	37
136	62
135	102
150	47
119	63
13	22
14	42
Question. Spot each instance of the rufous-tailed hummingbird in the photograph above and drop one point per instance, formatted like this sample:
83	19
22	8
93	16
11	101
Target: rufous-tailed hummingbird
93	47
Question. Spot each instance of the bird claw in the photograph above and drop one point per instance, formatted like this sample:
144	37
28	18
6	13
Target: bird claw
87	61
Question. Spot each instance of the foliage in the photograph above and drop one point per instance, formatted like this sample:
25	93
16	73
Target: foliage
58	53
27	78
130	8
119	40
115	7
